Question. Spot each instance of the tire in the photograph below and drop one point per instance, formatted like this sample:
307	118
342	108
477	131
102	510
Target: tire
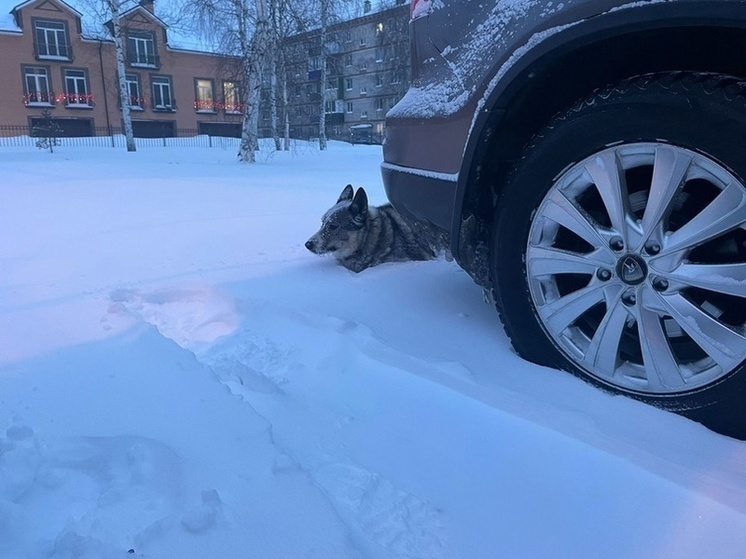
619	245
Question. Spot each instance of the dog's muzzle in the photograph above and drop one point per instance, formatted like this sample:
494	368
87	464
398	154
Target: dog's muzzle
311	245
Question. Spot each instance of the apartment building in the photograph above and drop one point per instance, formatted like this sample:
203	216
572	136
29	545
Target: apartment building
58	60
55	60
368	71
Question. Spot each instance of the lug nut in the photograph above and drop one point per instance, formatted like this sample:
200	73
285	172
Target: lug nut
652	248
629	299
616	243
660	284
603	274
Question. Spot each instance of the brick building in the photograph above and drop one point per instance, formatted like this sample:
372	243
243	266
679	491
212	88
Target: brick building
58	59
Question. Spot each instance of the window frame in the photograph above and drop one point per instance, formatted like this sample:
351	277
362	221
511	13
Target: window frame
134	78
207	105
157	83
235	108
134	56
55	27
28	94
76	95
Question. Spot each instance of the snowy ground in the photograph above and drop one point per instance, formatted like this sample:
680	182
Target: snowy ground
180	378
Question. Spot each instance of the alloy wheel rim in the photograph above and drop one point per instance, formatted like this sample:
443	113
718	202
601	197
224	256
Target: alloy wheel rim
636	265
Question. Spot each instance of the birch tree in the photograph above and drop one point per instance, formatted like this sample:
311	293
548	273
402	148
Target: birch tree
114	8
241	29
108	13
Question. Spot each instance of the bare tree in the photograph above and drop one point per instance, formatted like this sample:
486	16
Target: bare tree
108	13
239	28
114	8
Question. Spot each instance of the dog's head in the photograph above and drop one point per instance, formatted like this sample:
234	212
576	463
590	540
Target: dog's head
342	225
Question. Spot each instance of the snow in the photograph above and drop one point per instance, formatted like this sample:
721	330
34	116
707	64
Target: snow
180	378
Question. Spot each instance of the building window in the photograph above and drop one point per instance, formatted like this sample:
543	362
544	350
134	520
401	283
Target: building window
348	60
364	114
379	55
379	80
76	89
232	98
141	50
134	94
162	96
362	41
349	84
364	90
204	103
314	63
51	40
349	107
379	104
36	82
395	78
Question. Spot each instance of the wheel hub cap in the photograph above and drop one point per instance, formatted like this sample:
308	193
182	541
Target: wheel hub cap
632	269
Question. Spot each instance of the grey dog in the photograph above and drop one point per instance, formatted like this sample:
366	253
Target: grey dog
360	236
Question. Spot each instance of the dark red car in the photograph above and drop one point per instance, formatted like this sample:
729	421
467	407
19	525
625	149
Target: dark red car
588	158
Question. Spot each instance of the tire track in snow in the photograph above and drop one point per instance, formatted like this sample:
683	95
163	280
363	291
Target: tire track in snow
292	386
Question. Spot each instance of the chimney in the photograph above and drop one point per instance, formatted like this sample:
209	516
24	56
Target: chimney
366	6
148	5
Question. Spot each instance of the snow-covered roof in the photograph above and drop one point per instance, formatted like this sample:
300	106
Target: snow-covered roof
92	21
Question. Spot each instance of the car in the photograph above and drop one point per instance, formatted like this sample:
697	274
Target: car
588	158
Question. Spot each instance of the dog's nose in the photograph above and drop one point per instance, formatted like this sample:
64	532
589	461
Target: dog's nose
310	245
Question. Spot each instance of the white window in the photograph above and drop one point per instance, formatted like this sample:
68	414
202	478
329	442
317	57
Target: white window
379	80
51	40
349	84
349	107
162	98
135	98
37	86
141	50
204	102
232	98
76	89
364	90
348	60
379	105
364	114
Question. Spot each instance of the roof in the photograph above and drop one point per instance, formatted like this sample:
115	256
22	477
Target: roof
178	37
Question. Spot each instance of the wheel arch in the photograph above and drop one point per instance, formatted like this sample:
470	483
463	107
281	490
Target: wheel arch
565	68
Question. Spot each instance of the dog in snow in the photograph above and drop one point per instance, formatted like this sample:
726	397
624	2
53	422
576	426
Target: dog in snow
360	236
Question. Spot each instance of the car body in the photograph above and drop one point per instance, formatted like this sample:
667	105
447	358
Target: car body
492	81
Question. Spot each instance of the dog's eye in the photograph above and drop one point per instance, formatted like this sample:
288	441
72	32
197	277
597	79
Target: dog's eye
333	227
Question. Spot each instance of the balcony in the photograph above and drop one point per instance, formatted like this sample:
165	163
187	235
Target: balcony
39	99
47	51
76	100
209	107
139	60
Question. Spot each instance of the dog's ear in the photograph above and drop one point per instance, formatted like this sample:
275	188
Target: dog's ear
359	206
346	194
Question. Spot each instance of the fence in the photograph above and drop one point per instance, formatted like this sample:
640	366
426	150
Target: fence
21	136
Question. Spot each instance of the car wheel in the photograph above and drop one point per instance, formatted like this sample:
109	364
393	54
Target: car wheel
619	245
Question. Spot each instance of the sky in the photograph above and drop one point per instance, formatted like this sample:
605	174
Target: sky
180	377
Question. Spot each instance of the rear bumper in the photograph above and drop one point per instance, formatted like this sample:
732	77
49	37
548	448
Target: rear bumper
422	195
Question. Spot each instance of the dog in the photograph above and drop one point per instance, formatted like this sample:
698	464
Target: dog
360	236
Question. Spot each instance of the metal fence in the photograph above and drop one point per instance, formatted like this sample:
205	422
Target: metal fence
25	136
22	136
